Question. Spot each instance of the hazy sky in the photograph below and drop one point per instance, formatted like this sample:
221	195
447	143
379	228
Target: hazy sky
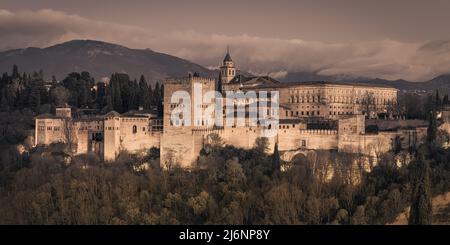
389	39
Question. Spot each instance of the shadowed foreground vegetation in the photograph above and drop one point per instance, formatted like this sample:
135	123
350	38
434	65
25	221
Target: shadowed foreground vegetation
228	186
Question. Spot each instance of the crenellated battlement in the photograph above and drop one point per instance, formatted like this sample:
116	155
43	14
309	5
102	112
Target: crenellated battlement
318	131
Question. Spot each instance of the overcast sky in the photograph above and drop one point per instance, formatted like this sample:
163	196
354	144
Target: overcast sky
388	39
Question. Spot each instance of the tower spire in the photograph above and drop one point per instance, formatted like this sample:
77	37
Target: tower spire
227	70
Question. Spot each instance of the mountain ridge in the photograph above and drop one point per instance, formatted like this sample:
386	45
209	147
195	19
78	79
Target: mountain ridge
100	59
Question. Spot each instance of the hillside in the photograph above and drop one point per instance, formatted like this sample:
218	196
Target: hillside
100	59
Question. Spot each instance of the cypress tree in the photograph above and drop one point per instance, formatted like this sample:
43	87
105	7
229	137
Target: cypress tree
432	128
421	211
160	101
116	97
219	83
156	94
15	73
150	94
276	166
438	99
144	96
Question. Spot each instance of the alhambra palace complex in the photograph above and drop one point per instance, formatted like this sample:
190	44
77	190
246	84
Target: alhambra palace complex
312	116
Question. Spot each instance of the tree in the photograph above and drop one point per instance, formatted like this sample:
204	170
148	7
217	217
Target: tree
438	101
421	205
359	217
101	94
116	96
34	99
397	144
219	83
432	127
60	95
262	144
276	166
144	96
445	100
158	96
15	74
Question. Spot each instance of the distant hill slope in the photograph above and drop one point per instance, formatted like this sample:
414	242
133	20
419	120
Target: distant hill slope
100	59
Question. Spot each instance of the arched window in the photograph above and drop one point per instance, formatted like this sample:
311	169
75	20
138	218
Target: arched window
134	129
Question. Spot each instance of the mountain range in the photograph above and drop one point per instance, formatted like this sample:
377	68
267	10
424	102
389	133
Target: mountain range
101	59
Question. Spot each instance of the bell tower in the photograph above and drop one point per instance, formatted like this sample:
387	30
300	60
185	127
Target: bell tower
227	70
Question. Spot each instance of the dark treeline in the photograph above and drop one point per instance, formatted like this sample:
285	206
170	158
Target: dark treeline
418	106
80	90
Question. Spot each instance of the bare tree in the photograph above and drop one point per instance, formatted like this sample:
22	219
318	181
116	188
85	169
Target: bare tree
60	95
69	135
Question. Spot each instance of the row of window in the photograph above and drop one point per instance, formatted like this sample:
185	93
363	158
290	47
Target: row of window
303	113
336	99
135	129
297	99
315	113
341	113
49	128
285	126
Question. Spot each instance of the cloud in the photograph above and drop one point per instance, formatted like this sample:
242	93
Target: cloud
46	27
389	59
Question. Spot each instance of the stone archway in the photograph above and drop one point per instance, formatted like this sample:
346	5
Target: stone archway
288	156
294	157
